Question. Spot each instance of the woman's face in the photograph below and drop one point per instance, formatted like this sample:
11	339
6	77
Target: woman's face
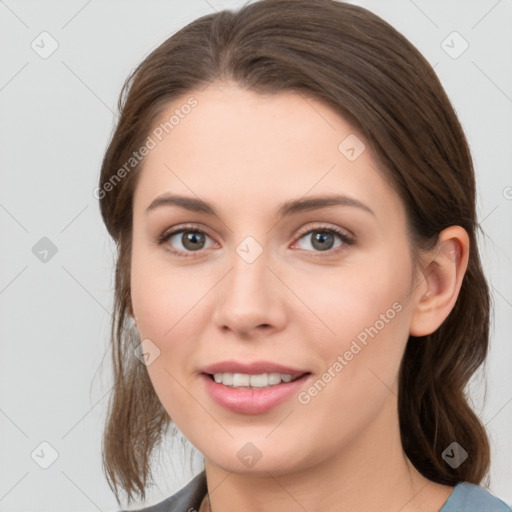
266	286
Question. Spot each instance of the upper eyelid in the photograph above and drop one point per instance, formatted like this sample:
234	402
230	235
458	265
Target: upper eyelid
325	227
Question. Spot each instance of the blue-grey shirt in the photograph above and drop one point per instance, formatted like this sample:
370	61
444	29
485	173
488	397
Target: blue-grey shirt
465	497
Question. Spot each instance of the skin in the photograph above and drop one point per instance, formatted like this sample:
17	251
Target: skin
245	153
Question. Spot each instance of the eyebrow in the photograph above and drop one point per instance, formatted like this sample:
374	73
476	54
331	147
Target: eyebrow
285	209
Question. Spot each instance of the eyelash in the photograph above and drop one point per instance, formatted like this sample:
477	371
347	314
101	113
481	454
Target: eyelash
346	240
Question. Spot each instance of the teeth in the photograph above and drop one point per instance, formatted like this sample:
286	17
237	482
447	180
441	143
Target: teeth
239	379
259	381
262	380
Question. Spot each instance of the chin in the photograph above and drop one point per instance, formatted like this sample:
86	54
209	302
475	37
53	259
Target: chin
246	458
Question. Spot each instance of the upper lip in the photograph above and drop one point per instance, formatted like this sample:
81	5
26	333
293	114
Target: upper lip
251	368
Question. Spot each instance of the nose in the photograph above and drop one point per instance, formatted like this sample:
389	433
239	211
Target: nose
250	299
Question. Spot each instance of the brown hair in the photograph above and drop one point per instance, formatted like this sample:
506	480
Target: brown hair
368	72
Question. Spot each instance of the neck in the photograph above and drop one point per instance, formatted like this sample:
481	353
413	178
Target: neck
371	473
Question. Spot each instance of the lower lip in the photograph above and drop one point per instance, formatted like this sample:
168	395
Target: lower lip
254	400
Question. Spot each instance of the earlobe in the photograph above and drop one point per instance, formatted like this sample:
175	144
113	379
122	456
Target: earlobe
132	319
132	322
130	314
441	280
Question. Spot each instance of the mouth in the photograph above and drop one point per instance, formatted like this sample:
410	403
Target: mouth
253	393
253	381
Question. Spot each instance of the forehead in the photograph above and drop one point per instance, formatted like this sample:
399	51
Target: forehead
240	146
250	118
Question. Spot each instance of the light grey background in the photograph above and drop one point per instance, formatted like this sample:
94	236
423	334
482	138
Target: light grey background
57	116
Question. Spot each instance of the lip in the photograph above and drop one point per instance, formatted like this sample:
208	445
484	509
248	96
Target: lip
254	400
251	368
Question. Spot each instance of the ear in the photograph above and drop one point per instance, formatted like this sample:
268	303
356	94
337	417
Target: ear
441	277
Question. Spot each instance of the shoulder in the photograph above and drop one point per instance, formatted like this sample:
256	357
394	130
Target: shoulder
468	497
187	499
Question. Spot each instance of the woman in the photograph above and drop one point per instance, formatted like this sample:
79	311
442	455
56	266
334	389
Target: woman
298	285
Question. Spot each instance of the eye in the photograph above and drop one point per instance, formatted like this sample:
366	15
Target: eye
323	239
185	240
189	239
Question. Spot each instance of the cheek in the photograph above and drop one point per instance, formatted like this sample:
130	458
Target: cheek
368	310
369	314
362	301
170	307
162	302
161	295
